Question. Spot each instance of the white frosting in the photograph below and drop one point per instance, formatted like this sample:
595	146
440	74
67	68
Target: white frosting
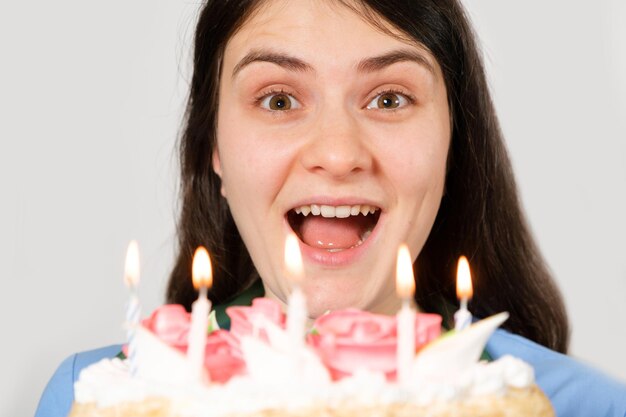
451	357
275	363
279	378
108	382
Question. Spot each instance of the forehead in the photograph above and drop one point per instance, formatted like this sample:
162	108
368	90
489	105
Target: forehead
328	31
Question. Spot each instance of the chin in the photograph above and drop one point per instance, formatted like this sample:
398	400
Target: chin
318	304
323	296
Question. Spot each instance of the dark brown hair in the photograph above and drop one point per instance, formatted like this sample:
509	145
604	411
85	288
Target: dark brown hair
480	214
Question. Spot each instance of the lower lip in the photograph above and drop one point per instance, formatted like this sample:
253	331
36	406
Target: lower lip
337	259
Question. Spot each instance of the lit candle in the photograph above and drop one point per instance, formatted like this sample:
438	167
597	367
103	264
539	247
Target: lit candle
405	288
464	291
296	304
133	308
202	279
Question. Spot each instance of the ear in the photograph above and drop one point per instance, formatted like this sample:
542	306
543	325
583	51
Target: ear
217	168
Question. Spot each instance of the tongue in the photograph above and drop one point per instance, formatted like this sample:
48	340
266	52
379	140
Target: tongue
332	233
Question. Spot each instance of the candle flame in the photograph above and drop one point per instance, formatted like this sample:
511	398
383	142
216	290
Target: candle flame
201	272
293	258
131	266
463	279
405	281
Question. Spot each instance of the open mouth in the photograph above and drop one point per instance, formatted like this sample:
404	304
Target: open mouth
334	228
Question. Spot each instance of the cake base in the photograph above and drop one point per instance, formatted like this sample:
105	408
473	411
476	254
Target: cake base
516	403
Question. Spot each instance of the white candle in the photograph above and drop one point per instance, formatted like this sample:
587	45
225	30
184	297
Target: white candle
296	308
200	309
133	308
464	291
296	322
405	288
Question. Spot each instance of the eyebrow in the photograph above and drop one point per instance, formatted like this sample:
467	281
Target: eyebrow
285	61
378	63
372	64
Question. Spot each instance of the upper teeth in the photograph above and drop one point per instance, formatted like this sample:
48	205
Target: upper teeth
336	211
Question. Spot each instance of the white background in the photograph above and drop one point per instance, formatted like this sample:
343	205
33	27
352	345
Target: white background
91	97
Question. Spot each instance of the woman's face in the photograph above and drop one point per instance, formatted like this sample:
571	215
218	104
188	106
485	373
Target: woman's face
319	111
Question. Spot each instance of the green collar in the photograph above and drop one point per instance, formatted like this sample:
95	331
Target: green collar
243	299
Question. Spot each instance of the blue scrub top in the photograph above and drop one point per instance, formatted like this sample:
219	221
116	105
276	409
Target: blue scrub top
573	388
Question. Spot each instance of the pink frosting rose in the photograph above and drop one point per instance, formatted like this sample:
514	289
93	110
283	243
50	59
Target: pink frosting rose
349	340
170	323
223	359
242	318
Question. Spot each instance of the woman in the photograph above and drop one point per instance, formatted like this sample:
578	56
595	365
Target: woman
479	214
359	125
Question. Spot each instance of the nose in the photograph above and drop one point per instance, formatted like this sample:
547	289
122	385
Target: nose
337	146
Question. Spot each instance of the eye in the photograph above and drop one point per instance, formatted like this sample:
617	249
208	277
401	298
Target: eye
279	102
389	100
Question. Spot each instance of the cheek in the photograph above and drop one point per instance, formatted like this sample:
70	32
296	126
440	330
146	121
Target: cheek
416	158
416	166
236	147
253	166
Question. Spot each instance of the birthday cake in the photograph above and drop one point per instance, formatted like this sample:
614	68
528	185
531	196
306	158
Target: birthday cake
347	366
